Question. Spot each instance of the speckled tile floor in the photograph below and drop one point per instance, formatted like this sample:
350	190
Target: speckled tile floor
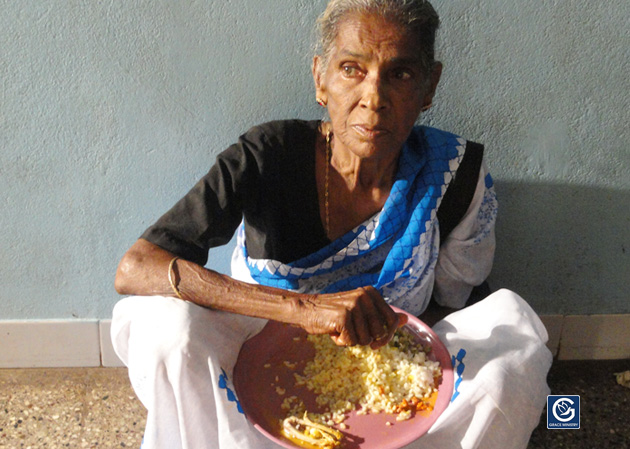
605	406
69	408
96	408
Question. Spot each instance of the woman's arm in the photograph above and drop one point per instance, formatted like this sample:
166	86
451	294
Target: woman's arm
359	316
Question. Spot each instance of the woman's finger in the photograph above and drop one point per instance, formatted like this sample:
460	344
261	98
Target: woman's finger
347	335
376	321
392	320
387	315
362	319
401	320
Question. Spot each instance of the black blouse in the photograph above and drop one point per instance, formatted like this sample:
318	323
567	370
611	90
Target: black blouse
267	178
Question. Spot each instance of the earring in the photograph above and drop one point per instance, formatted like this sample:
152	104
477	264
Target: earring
321	102
426	107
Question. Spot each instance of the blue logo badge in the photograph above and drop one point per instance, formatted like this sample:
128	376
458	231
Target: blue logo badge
563	412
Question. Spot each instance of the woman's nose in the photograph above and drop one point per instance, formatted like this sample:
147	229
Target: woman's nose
374	94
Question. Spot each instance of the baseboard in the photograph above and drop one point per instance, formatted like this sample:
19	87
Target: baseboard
588	337
108	355
86	343
56	344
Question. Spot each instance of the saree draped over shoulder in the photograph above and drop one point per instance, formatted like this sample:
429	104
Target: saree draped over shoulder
396	250
181	356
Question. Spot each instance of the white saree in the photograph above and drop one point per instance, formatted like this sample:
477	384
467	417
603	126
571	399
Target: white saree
181	356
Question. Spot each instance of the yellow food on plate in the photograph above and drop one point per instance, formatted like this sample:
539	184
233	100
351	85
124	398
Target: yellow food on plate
398	379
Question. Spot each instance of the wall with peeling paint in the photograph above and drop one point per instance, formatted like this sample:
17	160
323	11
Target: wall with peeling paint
109	112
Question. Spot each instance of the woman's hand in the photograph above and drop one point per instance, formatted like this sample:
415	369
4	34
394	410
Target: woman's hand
354	317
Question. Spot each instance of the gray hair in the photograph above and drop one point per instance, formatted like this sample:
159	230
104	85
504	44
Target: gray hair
415	16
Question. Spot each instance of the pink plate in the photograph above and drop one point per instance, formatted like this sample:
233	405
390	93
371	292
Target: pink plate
262	371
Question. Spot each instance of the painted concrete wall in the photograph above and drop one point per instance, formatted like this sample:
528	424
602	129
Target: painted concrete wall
110	110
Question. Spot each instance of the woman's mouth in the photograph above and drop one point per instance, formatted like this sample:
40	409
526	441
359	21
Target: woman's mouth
370	132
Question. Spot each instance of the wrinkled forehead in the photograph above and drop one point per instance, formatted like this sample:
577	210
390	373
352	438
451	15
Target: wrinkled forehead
361	34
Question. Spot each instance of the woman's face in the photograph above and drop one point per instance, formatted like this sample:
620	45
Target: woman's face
374	85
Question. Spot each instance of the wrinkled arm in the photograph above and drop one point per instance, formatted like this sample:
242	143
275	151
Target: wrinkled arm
358	316
143	270
466	257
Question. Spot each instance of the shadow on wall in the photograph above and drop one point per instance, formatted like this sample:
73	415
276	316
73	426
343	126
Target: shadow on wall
565	249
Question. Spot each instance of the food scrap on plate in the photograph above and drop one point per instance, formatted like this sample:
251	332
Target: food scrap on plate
309	434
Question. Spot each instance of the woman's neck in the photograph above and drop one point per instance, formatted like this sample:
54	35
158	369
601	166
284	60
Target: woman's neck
362	173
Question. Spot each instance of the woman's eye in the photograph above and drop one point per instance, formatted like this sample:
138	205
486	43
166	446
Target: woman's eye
402	74
350	71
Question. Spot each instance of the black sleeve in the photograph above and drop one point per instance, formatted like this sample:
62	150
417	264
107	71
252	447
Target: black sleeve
211	211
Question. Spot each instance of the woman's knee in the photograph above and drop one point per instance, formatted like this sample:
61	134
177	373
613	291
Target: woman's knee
159	330
151	325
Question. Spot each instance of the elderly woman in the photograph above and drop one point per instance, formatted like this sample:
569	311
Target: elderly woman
336	221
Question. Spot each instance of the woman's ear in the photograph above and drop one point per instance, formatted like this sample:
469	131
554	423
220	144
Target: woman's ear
320	90
434	80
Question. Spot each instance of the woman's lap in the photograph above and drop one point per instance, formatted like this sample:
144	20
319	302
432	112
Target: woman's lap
180	359
181	356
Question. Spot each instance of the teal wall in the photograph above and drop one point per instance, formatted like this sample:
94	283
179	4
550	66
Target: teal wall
110	110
